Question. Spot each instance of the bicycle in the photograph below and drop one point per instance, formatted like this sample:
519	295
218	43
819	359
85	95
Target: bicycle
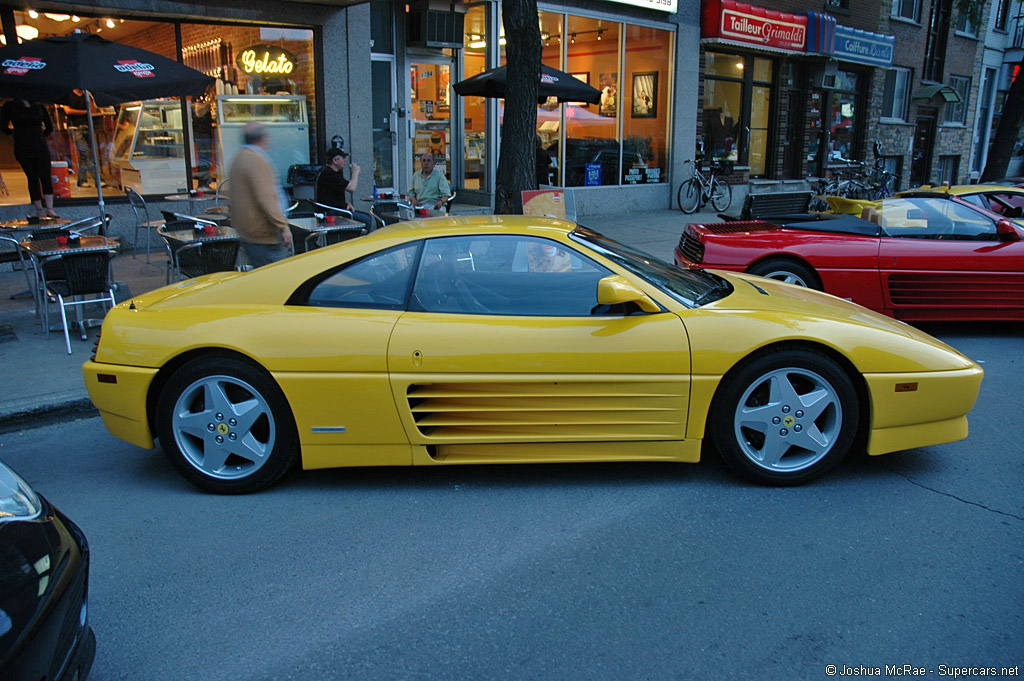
698	190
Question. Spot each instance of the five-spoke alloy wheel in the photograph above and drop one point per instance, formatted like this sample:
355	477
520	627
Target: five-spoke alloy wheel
785	417
226	426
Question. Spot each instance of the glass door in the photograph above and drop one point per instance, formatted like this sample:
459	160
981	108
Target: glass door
430	109
385	132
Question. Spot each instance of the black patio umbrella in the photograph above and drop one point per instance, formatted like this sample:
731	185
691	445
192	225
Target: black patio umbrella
553	83
48	69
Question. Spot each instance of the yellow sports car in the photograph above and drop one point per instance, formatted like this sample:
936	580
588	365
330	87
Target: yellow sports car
512	340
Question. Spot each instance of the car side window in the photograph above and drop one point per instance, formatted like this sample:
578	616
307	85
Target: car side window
1007	204
378	281
506	275
935	218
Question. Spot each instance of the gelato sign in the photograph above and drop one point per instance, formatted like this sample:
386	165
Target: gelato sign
265	59
764	30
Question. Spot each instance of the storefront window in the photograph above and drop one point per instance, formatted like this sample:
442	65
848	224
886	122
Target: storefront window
737	128
549	114
723	103
143	144
474	61
842	119
646	105
592	154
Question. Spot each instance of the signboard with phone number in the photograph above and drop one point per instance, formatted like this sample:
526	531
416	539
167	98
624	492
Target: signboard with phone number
663	5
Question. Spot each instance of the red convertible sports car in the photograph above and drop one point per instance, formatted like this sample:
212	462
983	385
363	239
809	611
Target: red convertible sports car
946	253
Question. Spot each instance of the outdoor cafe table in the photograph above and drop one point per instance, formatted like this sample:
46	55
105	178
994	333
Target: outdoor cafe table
44	248
192	199
308	226
26	225
180	237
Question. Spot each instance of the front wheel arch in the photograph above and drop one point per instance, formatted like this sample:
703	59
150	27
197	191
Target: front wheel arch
859	441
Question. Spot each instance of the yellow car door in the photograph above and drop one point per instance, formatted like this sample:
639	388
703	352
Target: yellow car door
505	355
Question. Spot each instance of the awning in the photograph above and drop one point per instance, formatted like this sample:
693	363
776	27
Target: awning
947	93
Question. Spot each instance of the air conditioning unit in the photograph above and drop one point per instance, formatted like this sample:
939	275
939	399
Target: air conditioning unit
432	26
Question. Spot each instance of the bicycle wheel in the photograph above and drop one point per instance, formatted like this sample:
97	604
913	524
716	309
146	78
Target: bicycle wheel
721	195
688	195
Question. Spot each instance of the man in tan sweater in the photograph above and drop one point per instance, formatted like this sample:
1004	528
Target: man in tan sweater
256	200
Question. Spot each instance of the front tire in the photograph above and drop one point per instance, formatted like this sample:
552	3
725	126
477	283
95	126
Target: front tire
688	196
226	426
785	418
788	271
721	196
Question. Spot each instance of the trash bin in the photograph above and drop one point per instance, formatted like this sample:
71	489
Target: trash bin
59	175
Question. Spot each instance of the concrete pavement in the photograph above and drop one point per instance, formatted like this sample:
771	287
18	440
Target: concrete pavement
41	382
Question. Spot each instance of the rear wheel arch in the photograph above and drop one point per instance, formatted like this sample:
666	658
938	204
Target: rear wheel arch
762	267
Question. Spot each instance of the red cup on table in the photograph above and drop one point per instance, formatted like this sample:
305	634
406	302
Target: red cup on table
199	193
329	219
423	212
62	240
209	229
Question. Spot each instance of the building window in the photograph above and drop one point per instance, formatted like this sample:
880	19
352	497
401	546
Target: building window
837	4
897	93
907	9
737	125
956	112
949	167
964	25
938	34
1002	13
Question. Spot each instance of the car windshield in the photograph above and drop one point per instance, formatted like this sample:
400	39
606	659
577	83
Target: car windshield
692	287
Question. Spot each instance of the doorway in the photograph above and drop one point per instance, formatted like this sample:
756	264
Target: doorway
430	112
385	131
924	140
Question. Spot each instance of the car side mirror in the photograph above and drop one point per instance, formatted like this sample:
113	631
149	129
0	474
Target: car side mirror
1005	231
616	290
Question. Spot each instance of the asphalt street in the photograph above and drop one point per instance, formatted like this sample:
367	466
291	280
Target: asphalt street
638	571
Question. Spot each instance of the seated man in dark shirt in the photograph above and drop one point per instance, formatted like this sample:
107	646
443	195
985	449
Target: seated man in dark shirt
331	185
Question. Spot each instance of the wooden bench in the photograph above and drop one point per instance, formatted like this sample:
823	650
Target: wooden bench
769	204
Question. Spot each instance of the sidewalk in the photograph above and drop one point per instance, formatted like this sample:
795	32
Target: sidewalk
42	382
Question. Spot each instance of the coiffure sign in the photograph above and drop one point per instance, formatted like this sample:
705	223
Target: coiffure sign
756	26
260	59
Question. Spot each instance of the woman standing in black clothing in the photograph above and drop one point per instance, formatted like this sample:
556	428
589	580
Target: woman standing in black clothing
31	124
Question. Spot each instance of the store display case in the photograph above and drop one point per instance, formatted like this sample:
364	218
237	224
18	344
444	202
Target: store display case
284	117
149	147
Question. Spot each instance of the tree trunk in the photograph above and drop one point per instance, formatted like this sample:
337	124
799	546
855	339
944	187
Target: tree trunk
518	158
1006	134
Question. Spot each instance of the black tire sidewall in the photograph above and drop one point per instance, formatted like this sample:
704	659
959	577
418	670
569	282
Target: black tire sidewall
695	184
805	272
285	452
723	413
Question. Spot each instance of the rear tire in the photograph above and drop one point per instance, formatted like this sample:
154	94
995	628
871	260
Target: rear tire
226	426
788	271
721	195
688	196
785	418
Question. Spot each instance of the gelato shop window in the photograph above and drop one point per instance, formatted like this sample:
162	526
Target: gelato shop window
167	145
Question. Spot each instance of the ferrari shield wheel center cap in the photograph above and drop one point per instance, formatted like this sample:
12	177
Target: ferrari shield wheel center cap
222	428
788	421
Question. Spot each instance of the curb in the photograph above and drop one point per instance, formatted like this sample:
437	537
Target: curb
47	414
